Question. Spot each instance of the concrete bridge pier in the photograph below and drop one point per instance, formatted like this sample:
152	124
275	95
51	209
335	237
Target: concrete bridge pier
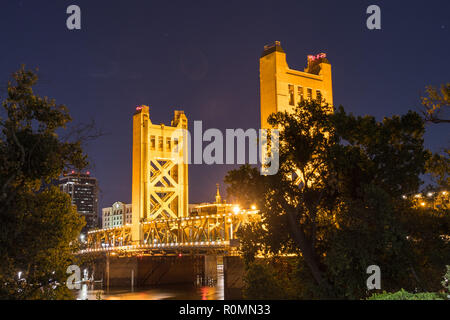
233	276
144	271
210	269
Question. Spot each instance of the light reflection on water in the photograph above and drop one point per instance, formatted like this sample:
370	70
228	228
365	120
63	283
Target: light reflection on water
159	292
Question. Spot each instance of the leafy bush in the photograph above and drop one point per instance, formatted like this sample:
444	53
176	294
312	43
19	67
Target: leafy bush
405	295
263	281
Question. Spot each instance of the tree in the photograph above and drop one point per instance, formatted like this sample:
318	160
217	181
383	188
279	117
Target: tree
436	104
438	166
39	226
263	282
348	212
446	282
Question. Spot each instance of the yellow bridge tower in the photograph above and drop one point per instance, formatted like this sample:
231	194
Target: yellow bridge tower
282	88
160	174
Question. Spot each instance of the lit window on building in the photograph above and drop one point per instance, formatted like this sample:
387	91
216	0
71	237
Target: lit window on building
300	93
309	94
318	96
169	144
291	94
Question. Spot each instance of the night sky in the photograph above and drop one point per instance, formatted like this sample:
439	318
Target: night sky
203	57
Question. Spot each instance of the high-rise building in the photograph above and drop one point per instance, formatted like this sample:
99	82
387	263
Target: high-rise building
117	215
83	190
282	88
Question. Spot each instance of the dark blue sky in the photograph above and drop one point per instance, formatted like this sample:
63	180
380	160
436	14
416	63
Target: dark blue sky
203	57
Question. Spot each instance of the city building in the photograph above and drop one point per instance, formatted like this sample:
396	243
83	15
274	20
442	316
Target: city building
83	190
218	207
282	88
117	215
160	172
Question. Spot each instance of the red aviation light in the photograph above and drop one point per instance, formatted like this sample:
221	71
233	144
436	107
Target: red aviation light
317	57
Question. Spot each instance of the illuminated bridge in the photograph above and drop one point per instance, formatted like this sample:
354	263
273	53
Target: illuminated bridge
215	232
165	241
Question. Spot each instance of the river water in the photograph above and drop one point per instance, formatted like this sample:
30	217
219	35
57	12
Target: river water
158	292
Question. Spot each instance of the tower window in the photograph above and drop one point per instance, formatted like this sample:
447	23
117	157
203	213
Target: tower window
152	142
160	143
309	94
300	93
318	96
291	94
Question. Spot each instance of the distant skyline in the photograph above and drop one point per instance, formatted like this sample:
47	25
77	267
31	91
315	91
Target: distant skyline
203	58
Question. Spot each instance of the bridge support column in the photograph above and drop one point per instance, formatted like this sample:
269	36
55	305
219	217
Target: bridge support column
210	267
107	272
233	274
136	272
